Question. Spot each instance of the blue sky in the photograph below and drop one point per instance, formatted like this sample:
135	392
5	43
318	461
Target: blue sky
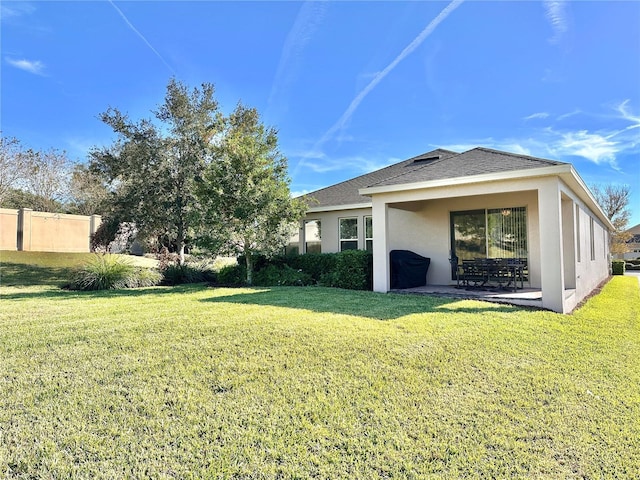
351	86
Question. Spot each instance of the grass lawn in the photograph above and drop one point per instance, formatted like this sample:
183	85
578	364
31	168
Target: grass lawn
315	382
46	268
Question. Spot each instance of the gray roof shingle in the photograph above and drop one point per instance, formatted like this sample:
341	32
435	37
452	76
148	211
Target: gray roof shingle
346	193
435	165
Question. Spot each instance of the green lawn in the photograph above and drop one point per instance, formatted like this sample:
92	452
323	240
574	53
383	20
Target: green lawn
47	268
315	382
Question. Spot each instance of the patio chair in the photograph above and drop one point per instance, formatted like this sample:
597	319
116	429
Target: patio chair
474	273
457	271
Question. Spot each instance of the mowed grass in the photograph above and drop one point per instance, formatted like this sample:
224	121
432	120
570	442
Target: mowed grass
47	268
195	382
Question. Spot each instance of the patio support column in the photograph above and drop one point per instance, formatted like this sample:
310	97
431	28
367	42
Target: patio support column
551	255
302	240
380	246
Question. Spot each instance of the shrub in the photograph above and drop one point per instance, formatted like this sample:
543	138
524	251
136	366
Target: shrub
188	272
318	265
103	272
617	267
273	275
353	270
232	275
145	277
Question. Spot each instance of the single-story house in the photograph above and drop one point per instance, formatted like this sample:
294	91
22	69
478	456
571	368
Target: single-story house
633	244
481	203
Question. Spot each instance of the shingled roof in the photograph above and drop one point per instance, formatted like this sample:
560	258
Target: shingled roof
346	193
437	164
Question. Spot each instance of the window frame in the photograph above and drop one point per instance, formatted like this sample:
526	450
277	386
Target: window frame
485	246
343	241
368	219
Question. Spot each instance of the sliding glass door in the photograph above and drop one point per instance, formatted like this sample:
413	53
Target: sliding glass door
492	233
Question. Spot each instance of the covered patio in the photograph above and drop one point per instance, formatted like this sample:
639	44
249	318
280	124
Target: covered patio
526	297
540	217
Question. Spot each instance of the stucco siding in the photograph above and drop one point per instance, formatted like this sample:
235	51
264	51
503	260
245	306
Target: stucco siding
426	230
8	229
592	261
28	230
59	232
330	221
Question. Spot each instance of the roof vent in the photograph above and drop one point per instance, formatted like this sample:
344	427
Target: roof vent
426	159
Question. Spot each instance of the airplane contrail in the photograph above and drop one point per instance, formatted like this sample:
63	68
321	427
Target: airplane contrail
342	121
135	30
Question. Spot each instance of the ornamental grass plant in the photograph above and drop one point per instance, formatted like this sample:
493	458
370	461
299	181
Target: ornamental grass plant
106	272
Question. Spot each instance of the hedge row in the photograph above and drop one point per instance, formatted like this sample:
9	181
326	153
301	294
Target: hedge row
617	267
352	269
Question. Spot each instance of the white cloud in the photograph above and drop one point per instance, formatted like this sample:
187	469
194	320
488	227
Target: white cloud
557	16
463	147
32	66
537	115
299	193
623	108
592	146
515	148
357	165
15	10
570	114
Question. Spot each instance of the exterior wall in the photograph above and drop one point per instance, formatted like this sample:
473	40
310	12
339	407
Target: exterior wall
567	241
426	230
419	220
560	237
8	229
330	235
590	270
27	230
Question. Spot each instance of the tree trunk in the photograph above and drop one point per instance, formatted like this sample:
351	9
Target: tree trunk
249	262
180	241
180	248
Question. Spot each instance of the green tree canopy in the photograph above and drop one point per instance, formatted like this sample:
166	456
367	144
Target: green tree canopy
245	193
153	166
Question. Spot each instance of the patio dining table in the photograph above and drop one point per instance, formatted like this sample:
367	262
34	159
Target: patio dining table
491	273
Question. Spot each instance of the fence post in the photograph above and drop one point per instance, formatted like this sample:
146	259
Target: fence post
94	224
24	229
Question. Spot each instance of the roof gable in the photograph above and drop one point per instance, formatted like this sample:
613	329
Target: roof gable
477	161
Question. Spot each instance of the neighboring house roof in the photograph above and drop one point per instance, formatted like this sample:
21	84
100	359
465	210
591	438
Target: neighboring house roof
438	164
635	234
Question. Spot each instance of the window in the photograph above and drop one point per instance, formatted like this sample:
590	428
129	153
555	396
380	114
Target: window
312	236
348	234
592	238
578	242
493	233
368	233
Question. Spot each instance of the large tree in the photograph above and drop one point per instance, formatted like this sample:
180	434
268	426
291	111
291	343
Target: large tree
154	165
248	205
614	200
33	178
47	177
13	166
88	193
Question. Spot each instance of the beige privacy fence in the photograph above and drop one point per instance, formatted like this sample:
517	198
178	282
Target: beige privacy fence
28	230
